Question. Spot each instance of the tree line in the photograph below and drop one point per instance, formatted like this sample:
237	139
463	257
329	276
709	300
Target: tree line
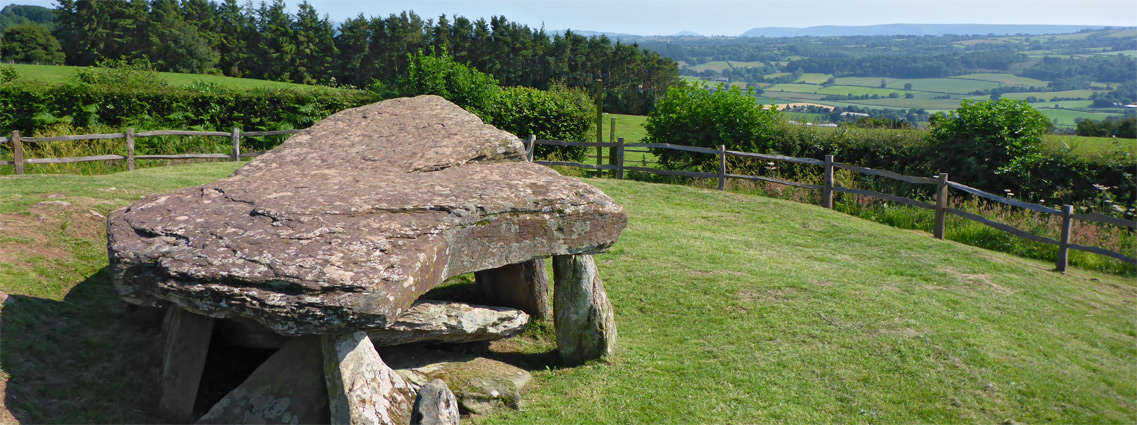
266	41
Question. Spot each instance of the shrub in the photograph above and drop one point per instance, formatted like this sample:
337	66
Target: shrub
440	74
556	114
692	115
993	144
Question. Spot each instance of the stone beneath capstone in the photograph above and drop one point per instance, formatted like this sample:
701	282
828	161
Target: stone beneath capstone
582	315
435	405
425	321
271	397
362	390
347	223
481	385
451	322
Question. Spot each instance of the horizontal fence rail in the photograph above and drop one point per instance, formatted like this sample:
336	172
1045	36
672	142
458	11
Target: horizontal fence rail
828	187
18	142
616	165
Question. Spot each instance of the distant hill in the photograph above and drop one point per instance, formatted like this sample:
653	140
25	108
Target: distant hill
915	29
14	14
686	33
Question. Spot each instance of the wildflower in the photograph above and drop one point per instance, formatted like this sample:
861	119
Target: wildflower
1100	187
1118	208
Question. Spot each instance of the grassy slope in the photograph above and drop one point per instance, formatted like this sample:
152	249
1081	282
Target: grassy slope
731	308
61	74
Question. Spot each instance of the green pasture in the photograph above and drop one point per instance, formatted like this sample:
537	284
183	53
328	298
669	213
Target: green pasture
60	74
724	65
1067	118
730	308
831	90
944	85
813	78
1006	80
861	81
1067	94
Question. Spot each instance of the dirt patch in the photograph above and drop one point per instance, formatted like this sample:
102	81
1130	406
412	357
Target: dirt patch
982	280
41	231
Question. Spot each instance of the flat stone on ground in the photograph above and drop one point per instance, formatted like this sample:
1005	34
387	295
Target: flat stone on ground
480	384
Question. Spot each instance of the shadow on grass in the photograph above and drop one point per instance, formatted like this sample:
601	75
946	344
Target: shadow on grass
89	358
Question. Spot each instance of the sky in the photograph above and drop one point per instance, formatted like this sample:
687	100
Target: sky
733	17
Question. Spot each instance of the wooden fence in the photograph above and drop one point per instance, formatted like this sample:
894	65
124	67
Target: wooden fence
18	142
617	149
616	165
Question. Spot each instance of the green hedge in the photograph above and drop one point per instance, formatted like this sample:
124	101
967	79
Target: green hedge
1059	178
29	106
556	114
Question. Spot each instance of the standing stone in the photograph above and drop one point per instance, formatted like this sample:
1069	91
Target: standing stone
287	389
362	390
187	344
582	315
524	286
435	405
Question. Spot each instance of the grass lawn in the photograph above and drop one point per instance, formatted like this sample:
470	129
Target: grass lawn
61	74
1067	118
811	78
731	309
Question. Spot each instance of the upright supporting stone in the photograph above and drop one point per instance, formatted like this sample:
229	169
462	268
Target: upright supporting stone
582	315
187	343
362	390
524	286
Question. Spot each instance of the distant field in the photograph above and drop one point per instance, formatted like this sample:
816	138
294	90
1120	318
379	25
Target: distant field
60	74
927	104
1130	53
1068	94
1005	79
1065	118
1090	145
862	81
777	75
809	78
1063	104
944	85
723	65
834	90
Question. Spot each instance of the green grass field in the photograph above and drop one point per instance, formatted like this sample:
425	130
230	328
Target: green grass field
731	308
723	65
1067	94
60	74
809	78
1006	80
944	85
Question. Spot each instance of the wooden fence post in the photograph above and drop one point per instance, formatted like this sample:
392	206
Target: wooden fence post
17	152
827	183
236	144
722	167
941	205
1064	241
599	124
130	149
532	148
620	158
612	139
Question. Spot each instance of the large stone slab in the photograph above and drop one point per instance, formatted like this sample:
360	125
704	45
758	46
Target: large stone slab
347	223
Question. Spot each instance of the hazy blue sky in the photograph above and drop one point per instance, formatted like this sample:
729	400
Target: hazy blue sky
733	17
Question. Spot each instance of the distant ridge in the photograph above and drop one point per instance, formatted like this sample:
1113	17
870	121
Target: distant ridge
915	29
686	33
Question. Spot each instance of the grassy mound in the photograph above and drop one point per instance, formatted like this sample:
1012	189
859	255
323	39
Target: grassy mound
731	308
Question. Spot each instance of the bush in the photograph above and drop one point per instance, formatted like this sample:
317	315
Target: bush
556	114
441	75
692	115
992	144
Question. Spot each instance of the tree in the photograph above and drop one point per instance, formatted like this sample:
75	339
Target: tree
30	43
990	144
176	45
440	75
907	86
692	115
